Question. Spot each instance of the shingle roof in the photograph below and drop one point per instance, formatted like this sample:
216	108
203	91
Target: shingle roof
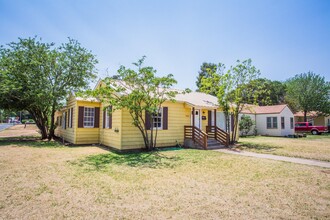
301	114
271	109
198	99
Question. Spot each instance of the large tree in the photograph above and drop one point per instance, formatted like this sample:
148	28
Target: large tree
37	76
141	93
309	92
265	92
205	71
231	89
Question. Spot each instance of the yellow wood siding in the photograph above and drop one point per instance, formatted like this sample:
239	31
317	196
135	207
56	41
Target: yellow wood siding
111	137
123	135
87	135
178	116
67	134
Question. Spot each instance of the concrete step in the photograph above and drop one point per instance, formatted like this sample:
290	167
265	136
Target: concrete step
220	146
214	144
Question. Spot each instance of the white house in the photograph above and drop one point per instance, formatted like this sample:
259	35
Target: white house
275	120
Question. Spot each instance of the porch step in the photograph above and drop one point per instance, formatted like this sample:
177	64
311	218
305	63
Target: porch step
214	144
211	144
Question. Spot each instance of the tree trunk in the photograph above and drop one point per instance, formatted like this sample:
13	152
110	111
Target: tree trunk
41	121
52	122
42	127
235	128
305	116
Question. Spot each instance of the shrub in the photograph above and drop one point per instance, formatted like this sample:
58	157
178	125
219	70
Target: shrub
245	124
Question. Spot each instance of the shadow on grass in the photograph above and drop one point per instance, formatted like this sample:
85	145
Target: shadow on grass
133	159
29	142
257	147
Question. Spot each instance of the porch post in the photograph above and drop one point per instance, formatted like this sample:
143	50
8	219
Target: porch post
215	117
193	116
193	124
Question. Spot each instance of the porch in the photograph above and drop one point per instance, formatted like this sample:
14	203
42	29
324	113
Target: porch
205	137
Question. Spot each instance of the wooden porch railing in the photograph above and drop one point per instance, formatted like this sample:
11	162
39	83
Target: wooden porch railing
197	135
218	134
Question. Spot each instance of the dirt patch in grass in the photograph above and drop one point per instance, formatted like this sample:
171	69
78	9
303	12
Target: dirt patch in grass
93	183
313	147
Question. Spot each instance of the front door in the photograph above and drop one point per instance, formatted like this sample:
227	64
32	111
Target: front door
197	115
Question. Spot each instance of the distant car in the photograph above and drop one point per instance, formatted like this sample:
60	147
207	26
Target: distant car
304	127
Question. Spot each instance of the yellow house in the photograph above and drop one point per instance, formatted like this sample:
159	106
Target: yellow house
190	120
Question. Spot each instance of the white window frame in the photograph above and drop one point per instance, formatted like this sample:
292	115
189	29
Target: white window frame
282	122
291	123
107	115
69	118
89	117
272	123
159	118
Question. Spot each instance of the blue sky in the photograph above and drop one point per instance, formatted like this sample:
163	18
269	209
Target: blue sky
282	37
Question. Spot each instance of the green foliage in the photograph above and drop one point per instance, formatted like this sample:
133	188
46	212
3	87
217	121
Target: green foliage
308	92
245	124
231	89
5	113
28	121
205	71
265	92
138	91
37	76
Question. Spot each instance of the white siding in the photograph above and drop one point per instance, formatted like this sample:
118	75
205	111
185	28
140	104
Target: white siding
261	123
287	114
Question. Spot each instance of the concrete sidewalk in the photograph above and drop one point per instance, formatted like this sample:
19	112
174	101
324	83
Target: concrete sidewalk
275	157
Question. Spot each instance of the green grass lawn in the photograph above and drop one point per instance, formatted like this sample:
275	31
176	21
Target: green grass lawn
40	181
312	147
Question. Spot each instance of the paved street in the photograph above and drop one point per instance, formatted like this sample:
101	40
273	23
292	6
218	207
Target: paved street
4	126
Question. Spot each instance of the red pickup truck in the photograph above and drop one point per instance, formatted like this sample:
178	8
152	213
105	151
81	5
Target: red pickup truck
308	127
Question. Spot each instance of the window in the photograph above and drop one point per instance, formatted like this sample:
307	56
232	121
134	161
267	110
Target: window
107	117
282	123
271	122
63	120
89	114
291	123
157	119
